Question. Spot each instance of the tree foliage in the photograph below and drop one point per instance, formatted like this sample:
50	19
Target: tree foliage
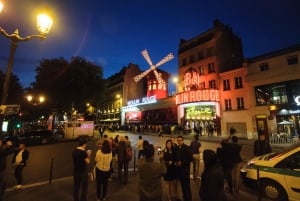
15	90
69	85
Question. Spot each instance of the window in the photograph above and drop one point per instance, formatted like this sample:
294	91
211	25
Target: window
228	104
226	85
184	62
240	103
292	60
209	51
211	68
212	84
192	59
238	82
200	55
264	67
201	70
202	85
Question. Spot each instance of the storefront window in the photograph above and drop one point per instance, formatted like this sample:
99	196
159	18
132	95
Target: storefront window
271	94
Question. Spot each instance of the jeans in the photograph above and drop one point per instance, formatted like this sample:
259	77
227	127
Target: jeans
18	174
80	181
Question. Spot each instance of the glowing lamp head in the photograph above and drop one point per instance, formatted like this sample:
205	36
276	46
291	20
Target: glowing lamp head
1	6
44	23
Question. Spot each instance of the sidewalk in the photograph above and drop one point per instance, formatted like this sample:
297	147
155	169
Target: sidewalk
61	189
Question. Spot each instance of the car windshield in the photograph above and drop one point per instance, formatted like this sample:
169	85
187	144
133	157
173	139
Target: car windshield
271	156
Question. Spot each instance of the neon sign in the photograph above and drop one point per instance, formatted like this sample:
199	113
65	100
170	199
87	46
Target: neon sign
142	101
297	100
198	95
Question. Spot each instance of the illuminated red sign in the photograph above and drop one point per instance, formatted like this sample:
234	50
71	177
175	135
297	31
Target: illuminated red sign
198	96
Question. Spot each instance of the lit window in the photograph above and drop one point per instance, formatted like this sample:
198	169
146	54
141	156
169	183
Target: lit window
211	68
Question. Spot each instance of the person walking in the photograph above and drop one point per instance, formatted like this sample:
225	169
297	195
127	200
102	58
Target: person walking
195	148
171	176
150	174
81	159
121	152
19	162
184	157
103	165
261	146
5	150
212	178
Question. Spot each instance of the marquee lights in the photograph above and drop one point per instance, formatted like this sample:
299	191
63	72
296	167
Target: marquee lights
197	96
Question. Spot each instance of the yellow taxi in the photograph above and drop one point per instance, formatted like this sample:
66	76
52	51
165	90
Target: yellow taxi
276	175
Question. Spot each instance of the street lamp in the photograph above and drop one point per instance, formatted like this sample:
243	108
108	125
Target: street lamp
44	24
35	100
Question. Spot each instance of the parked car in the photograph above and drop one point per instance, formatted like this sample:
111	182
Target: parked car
276	175
37	137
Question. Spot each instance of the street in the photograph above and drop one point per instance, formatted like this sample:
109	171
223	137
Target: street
50	169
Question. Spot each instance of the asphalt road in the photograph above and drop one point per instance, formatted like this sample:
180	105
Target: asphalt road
48	175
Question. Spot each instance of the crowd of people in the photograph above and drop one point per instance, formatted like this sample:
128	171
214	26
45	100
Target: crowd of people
221	170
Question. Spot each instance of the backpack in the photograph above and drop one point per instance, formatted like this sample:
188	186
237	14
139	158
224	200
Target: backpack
129	153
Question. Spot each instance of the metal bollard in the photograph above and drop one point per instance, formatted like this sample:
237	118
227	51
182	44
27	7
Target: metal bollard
51	171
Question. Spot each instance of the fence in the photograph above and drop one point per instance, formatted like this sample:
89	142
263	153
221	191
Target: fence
277	140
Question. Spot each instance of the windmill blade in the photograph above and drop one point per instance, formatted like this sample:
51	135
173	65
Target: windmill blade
158	77
140	76
167	58
147	57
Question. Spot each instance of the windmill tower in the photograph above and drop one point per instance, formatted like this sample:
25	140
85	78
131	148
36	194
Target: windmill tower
157	86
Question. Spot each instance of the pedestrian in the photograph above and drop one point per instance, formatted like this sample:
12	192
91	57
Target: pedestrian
81	159
19	162
224	156
212	178
5	150
184	157
171	176
103	165
195	148
139	146
236	163
121	152
101	131
150	174
261	146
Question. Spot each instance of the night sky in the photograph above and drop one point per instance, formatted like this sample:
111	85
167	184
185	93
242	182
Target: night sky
112	33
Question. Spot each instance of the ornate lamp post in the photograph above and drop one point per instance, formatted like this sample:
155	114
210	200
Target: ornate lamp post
44	24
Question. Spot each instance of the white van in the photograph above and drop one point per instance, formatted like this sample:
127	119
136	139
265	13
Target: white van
278	173
77	129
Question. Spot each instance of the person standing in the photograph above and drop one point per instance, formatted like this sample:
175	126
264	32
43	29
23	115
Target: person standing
261	146
184	157
19	161
81	159
236	163
195	148
212	178
103	165
121	152
150	174
139	146
5	150
171	176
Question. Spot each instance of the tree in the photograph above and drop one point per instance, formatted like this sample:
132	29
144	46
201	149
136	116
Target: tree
69	84
15	91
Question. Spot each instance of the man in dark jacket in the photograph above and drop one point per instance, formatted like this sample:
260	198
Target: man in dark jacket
19	161
261	146
5	150
184	157
121	152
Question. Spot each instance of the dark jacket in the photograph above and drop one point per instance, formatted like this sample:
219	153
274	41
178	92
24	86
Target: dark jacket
4	152
212	179
261	147
25	157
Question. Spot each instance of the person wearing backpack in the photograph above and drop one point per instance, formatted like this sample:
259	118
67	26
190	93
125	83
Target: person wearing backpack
19	161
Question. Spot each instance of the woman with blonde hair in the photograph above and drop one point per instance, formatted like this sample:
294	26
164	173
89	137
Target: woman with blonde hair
103	160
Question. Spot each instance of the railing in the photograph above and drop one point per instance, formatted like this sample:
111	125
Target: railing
278	140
